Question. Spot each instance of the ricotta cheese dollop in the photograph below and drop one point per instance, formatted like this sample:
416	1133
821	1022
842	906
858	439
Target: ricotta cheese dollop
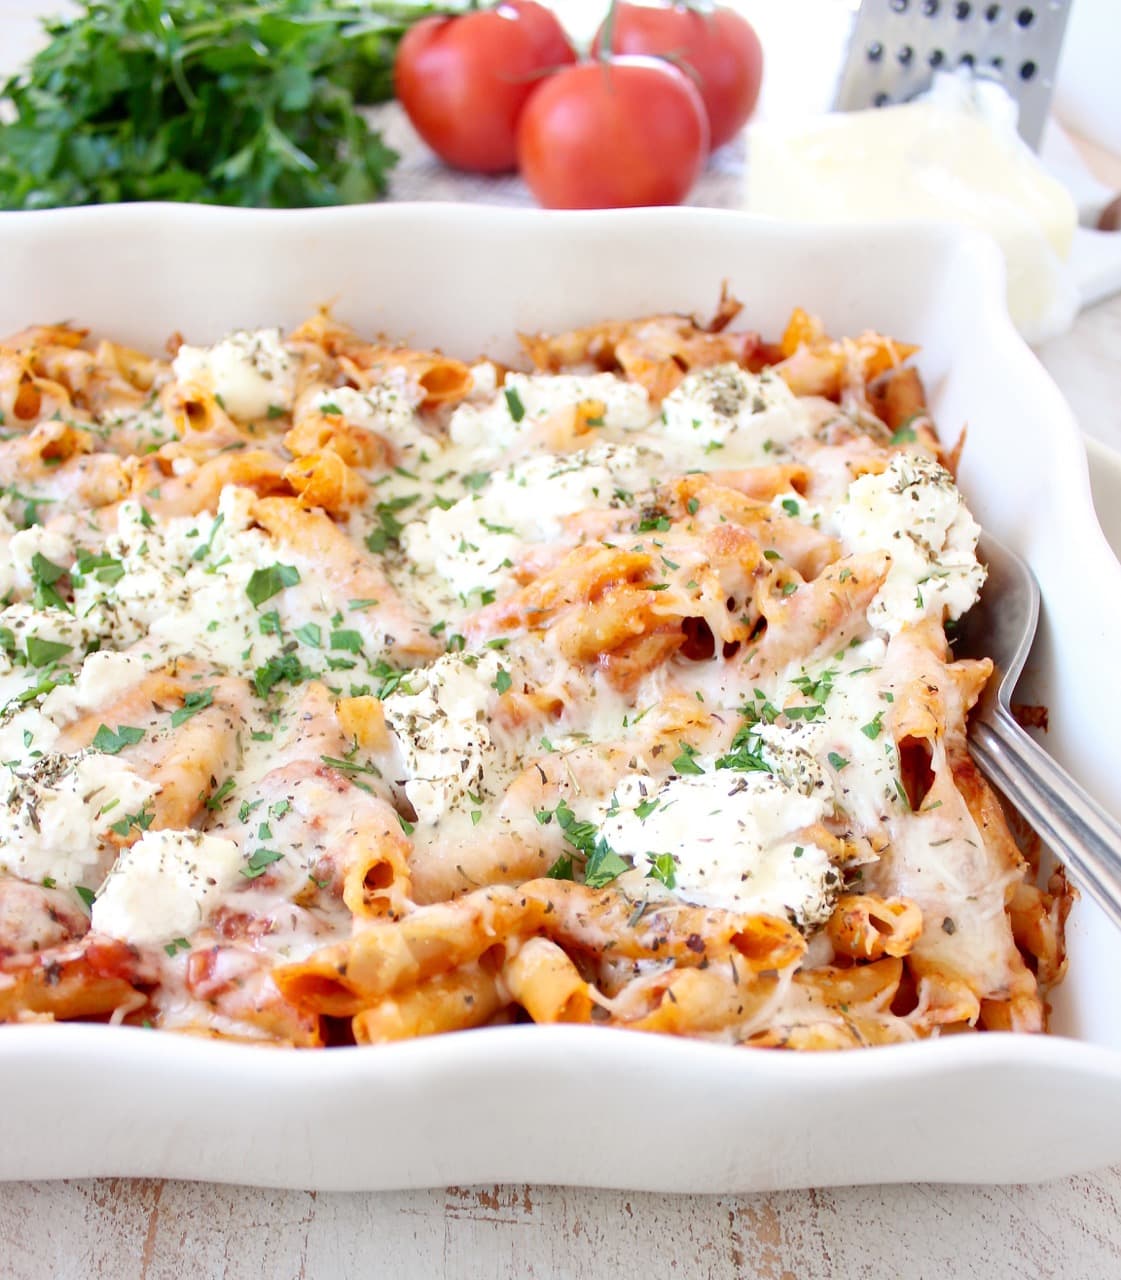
913	510
166	886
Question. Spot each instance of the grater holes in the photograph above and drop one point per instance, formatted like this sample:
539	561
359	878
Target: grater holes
929	8
997	63
962	10
935	58
992	12
1025	17
1028	70
881	99
875	51
898	6
966	60
905	55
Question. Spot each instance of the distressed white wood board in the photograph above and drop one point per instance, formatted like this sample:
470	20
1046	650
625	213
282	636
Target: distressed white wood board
144	1230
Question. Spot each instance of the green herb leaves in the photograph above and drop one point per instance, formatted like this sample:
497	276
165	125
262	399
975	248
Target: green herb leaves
285	667
745	752
44	574
263	584
41	653
186	100
514	404
259	861
193	703
110	741
389	529
686	762
141	820
601	863
663	867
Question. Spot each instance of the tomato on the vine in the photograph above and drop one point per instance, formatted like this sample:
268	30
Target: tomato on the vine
717	46
463	81
612	134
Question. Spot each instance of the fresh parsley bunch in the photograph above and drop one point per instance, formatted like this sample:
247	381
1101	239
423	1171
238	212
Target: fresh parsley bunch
250	104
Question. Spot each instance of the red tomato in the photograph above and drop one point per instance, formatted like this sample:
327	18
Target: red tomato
719	48
615	134
463	81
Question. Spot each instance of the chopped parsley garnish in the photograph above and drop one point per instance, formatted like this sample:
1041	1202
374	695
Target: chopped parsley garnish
194	702
389	528
514	403
686	762
601	863
837	761
41	653
176	945
200	553
104	567
390	679
216	797
86	895
263	584
653	521
310	634
663	867
285	667
502	680
873	727
259	861
105	739
141	820
349	641
562	869
746	751
269	623
44	574
791	507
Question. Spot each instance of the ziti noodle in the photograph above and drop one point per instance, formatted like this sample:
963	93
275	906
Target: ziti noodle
354	693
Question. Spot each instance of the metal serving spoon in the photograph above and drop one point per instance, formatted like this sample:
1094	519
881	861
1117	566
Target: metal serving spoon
1002	625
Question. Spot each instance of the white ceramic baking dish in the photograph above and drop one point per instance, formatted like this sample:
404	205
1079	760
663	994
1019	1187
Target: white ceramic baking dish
584	1105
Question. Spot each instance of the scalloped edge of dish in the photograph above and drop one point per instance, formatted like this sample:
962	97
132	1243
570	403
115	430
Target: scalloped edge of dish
580	1105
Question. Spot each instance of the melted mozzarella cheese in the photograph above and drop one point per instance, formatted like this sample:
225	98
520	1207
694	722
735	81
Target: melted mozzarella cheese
250	372
473	544
734	839
525	399
389	408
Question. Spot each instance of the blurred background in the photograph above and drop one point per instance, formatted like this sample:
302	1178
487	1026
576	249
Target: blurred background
805	42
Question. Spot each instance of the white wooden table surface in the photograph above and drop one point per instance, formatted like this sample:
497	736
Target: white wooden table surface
119	1229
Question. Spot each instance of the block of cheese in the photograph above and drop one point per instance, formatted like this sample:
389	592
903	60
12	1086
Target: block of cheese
953	156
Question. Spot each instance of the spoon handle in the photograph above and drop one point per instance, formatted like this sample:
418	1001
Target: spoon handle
1076	827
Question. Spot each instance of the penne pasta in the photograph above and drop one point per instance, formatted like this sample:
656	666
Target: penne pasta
351	692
